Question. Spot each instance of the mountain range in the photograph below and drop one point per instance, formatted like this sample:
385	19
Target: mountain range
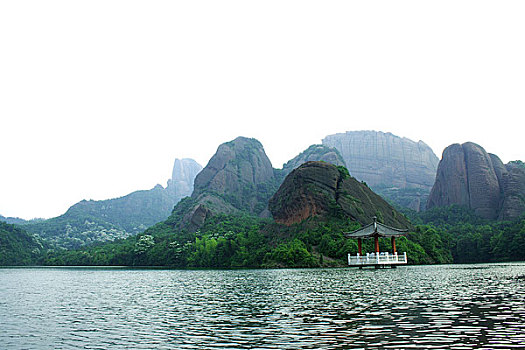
239	211
105	220
240	179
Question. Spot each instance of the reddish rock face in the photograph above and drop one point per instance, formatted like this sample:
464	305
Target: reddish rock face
468	176
321	189
306	192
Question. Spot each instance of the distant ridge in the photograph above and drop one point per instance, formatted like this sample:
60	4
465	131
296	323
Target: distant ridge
92	221
315	153
399	169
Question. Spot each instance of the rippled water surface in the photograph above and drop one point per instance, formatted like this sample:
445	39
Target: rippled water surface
453	306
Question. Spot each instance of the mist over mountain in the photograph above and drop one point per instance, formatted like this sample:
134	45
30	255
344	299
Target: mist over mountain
181	183
16	221
105	220
244	213
315	153
396	168
240	180
472	178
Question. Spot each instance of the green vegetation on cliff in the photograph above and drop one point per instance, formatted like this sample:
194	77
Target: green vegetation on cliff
323	189
226	223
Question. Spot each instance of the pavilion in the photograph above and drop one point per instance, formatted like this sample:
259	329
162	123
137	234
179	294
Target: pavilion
377	259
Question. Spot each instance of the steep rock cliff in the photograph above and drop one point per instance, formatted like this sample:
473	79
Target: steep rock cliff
451	185
236	164
399	168
513	205
238	178
322	189
181	183
468	176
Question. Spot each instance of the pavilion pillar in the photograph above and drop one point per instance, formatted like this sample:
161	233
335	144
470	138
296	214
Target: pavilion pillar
376	239
360	246
393	244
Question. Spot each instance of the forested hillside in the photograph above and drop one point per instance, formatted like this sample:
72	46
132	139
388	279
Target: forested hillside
18	247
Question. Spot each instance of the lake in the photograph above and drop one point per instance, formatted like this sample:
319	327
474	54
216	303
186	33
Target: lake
450	306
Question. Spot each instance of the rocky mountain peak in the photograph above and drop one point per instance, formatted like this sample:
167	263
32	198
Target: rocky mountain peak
238	178
323	189
183	174
236	164
469	176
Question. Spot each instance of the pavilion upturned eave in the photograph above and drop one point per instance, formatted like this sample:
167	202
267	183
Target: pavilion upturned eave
376	229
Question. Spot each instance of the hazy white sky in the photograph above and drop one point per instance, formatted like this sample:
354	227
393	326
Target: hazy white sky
97	98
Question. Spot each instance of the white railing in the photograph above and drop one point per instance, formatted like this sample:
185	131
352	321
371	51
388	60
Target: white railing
377	259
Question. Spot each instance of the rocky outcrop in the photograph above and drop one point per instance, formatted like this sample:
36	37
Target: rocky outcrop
470	177
237	164
238	178
322	189
400	168
184	172
451	186
483	184
513	205
315	153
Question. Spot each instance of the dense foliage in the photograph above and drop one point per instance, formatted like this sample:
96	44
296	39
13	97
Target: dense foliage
470	238
227	241
18	247
75	230
442	235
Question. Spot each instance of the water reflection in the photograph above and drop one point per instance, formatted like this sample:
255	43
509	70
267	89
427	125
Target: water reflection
463	307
